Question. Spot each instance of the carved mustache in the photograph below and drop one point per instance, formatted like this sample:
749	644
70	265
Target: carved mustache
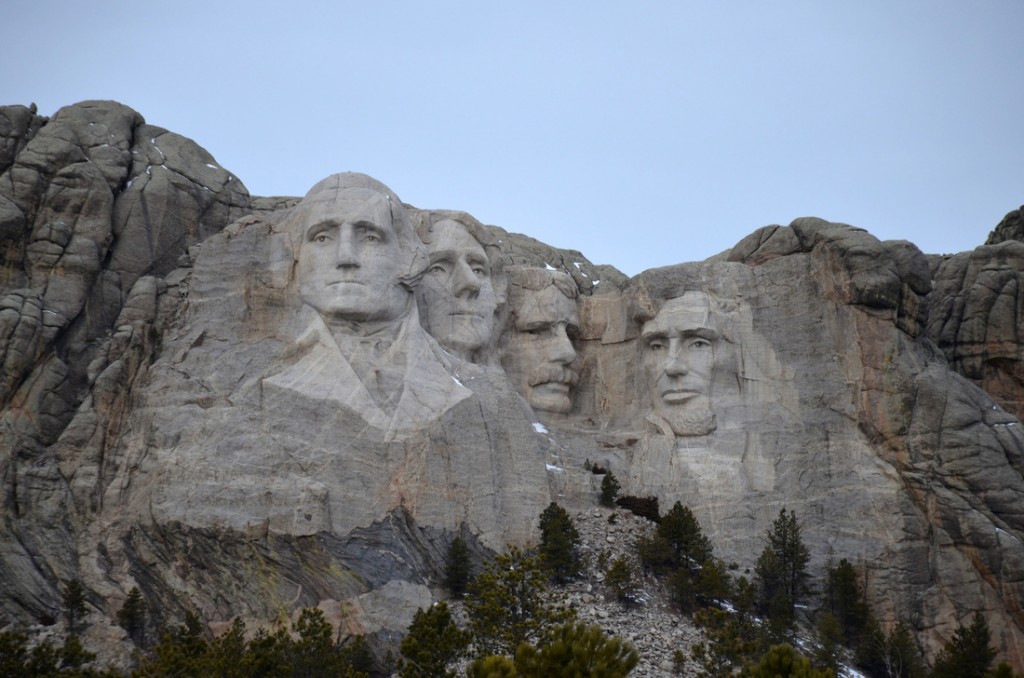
553	374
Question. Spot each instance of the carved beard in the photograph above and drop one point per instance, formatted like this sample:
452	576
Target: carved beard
696	419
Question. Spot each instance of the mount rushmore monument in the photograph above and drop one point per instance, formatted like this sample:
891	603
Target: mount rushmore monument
247	405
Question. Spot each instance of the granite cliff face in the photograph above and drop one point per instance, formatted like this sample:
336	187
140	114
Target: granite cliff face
246	406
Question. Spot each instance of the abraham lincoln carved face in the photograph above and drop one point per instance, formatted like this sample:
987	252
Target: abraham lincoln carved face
679	346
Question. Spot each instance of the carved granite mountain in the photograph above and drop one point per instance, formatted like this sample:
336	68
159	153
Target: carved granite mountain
246	406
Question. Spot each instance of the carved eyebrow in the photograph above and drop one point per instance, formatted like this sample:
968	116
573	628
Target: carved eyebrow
319	227
442	255
365	225
477	259
650	335
702	333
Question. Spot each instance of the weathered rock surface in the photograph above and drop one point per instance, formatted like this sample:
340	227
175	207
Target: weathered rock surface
1010	228
167	420
976	314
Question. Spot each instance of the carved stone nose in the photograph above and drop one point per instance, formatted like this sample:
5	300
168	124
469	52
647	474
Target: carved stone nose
562	351
466	282
345	255
675	365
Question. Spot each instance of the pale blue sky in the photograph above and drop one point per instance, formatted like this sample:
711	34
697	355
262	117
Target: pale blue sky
642	134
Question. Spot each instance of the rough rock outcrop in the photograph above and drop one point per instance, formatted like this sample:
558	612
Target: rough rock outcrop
1010	228
232	403
976	314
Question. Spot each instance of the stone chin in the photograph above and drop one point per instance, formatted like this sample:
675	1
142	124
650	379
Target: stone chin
465	332
553	397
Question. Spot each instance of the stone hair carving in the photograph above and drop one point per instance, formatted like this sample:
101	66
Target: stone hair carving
358	262
539	344
463	287
679	347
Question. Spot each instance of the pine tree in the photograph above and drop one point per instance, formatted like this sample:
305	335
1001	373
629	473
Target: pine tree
559	543
180	651
731	640
782	661
314	649
73	656
844	599
781	569
20	658
73	598
434	642
889	655
713	583
681	531
509	602
968	654
1002	670
457	567
656	555
829	634
609	489
227	653
621	580
680	548
493	666
132	616
577	649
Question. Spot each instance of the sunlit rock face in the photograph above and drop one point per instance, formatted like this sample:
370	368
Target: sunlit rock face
247	405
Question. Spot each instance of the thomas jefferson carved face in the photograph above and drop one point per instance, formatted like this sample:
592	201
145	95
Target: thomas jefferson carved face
540	348
350	258
458	299
679	347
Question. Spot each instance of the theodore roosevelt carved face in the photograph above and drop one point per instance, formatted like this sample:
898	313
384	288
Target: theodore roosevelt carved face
540	350
458	300
679	347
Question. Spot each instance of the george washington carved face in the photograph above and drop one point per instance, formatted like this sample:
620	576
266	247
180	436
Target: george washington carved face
355	253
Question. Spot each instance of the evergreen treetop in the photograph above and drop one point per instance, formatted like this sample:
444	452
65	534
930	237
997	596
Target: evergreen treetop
781	569
73	598
434	642
559	543
968	654
681	531
509	603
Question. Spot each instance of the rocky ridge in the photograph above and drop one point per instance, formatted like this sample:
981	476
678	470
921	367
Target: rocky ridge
873	389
